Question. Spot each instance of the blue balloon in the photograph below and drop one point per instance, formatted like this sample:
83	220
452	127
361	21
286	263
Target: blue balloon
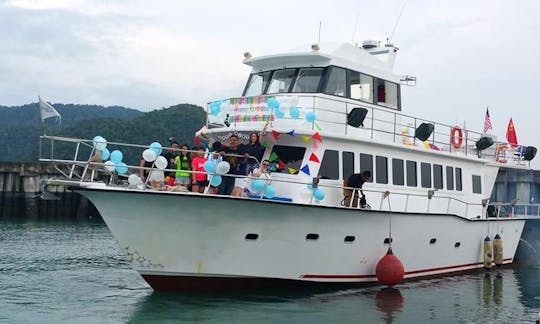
257	185
121	167
269	192
279	113
105	154
156	147
216	180
294	112
273	103
116	156
215	108
209	166
311	116
318	194
99	143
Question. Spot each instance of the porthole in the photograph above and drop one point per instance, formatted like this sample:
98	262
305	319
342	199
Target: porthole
349	239
458	244
388	240
312	236
433	241
252	236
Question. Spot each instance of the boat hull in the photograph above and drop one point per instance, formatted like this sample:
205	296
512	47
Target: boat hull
184	241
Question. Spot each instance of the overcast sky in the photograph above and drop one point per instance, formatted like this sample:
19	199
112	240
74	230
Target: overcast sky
152	54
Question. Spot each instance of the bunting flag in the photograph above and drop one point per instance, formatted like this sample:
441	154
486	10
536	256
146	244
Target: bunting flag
317	127
265	144
305	169
292	171
511	135
291	133
317	136
314	158
281	165
273	157
196	140
276	134
315	145
306	139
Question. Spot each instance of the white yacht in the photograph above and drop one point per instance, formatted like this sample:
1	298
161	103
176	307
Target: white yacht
330	115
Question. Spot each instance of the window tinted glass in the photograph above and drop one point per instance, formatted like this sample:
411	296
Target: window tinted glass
425	174
366	164
308	80
387	93
398	177
411	174
449	178
437	176
291	156
336	82
381	166
361	86
257	83
329	165
459	186
476	184
281	81
348	164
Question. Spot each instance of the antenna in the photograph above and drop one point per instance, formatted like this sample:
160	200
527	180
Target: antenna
388	40
320	26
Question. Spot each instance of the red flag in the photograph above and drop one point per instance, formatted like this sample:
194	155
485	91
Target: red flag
317	137
275	134
511	136
487	122
196	140
281	165
314	158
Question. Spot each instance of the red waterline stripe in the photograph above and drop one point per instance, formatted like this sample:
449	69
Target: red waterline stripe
313	276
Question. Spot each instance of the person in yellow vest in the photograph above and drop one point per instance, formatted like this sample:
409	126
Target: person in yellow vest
183	166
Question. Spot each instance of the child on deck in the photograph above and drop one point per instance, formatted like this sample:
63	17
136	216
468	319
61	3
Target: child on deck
199	181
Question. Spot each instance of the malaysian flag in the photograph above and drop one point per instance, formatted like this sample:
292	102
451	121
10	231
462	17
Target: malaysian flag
487	122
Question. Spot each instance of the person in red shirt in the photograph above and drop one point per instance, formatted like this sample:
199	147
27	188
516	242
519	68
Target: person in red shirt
199	181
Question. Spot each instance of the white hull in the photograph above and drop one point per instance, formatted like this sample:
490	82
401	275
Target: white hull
179	235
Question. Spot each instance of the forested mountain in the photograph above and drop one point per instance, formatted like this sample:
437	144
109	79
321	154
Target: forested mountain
20	127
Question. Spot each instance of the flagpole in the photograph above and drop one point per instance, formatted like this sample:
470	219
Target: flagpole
42	121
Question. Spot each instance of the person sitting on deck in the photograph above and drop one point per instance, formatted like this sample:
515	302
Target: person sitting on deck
355	181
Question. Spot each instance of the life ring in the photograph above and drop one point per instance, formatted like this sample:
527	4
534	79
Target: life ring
456	137
500	154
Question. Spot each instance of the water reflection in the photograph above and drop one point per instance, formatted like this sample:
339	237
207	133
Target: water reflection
389	301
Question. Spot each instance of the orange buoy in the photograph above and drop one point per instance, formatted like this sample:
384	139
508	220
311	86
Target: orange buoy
389	269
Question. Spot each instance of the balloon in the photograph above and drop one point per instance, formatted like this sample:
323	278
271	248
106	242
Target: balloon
209	166
110	165
318	194
257	185
134	179
269	192
311	116
215	108
99	143
161	162
294	112
216	180
105	154
121	168
272	103
156	147
294	101
279	113
223	167
116	156
149	155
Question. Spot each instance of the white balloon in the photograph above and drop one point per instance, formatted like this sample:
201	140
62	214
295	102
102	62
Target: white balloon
149	155
134	179
161	162
110	166
223	167
100	143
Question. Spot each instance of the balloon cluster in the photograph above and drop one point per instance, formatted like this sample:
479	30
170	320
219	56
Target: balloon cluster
216	170
115	163
317	193
152	154
259	186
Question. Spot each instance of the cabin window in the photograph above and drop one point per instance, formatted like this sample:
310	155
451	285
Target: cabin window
425	174
459	186
381	166
366	164
337	81
256	84
281	81
348	164
437	176
387	93
411	174
476	184
398	178
329	165
449	178
308	80
289	156
361	86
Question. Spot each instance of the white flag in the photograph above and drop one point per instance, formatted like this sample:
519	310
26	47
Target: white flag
47	110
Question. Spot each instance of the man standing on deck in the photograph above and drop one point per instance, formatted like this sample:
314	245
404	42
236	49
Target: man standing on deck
237	163
355	181
171	156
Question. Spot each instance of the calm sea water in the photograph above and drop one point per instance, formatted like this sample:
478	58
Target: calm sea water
68	271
